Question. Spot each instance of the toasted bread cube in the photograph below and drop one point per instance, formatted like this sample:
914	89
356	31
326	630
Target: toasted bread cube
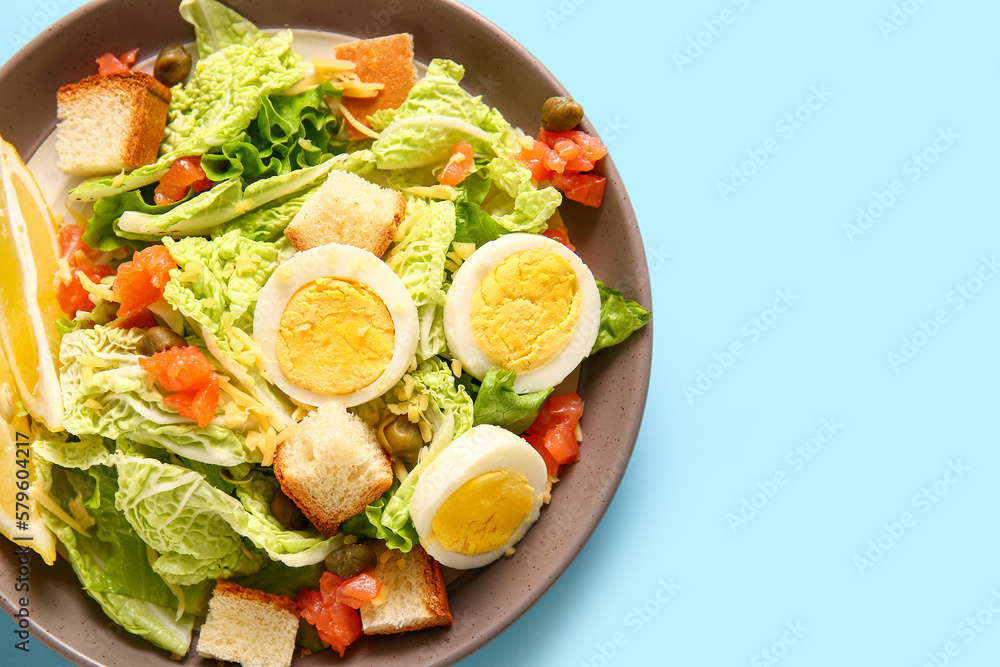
387	60
247	626
332	467
110	123
413	594
350	210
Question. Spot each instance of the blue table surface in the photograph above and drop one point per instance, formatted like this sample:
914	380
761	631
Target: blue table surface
815	183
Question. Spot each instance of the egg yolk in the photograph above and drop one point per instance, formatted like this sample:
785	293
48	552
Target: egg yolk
525	310
335	337
483	513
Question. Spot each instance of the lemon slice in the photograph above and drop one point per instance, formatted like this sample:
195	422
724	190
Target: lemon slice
20	520
28	252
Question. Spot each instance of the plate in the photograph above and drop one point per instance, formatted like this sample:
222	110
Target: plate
613	383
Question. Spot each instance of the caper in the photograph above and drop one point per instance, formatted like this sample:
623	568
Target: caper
561	114
402	439
158	339
172	65
287	512
350	559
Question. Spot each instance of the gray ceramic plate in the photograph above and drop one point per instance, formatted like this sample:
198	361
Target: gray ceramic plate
613	383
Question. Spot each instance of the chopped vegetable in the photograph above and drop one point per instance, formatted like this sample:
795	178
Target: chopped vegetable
184	173
108	64
140	283
458	165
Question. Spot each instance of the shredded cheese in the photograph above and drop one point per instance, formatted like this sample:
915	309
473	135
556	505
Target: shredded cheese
439	191
363	129
42	498
102	292
456	368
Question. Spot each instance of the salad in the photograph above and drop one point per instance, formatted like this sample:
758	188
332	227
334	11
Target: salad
395	295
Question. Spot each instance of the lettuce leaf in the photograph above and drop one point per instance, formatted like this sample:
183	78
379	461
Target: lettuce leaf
223	203
474	225
112	562
217	26
289	133
101	232
266	223
497	402
620	318
516	204
418	259
437	114
200	529
368	524
106	393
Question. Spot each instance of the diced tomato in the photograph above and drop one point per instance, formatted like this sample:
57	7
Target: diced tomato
538	442
74	297
591	148
553	433
588	189
534	159
568	407
140	283
458	165
561	442
559	235
108	64
182	369
141	320
197	405
336	623
357	590
184	173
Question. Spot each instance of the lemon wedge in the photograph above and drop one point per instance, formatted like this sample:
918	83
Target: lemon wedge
20	520
28	251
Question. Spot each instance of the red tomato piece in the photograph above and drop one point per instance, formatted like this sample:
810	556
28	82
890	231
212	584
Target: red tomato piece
357	590
197	405
73	297
108	64
568	407
458	165
559	235
538	442
182	369
140	283
534	159
336	623
561	442
185	172
588	189
590	147
141	320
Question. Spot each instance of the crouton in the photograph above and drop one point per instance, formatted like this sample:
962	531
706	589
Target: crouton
350	210
247	626
387	60
413	594
109	123
332	467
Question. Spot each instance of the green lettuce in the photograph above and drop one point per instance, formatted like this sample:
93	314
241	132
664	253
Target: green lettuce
101	232
106	393
113	563
217	26
497	402
418	259
223	203
279	579
198	528
290	132
437	114
268	222
369	524
220	99
620	318
474	225
516	204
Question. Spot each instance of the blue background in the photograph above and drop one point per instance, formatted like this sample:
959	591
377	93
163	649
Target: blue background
811	496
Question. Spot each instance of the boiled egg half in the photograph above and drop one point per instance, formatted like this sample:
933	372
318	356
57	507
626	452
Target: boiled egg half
526	303
478	497
335	323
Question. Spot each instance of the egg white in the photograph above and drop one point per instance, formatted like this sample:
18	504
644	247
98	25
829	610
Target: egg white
479	450
457	308
345	262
